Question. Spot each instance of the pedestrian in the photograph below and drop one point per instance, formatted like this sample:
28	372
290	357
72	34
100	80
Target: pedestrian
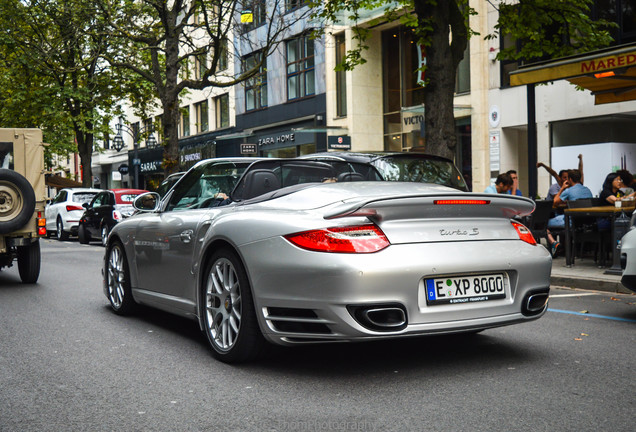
502	185
514	190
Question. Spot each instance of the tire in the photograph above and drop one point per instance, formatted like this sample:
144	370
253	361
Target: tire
117	279
229	316
82	235
29	262
105	232
17	201
59	233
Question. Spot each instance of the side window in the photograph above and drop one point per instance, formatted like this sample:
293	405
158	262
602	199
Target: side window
99	200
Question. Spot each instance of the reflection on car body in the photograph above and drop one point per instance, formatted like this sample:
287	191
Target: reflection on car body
290	259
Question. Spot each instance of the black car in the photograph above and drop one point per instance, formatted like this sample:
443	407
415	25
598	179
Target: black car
104	211
398	166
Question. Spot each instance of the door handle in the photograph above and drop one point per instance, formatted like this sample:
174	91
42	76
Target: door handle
186	236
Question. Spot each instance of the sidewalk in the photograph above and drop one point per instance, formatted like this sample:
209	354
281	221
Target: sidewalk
585	274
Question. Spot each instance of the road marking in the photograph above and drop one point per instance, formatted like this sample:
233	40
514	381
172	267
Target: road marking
573	295
592	315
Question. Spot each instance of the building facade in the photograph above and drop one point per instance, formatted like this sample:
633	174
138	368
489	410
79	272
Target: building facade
298	104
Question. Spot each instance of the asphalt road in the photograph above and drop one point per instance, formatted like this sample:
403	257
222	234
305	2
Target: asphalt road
68	364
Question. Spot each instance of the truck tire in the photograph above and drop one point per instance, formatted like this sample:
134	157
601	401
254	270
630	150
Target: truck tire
29	262
17	201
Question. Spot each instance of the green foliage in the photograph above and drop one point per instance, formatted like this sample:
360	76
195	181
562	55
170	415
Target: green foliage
549	29
52	75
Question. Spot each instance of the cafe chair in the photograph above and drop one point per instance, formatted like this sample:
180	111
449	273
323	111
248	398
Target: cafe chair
537	222
585	233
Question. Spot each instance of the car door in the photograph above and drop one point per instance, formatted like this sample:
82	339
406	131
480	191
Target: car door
164	246
167	242
53	209
92	218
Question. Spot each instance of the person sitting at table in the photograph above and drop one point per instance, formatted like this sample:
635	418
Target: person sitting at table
502	185
571	190
561	177
514	189
614	187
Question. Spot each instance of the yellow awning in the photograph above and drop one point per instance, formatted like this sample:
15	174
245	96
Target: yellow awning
609	74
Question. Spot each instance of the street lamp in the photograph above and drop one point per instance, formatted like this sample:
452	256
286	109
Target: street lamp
135	133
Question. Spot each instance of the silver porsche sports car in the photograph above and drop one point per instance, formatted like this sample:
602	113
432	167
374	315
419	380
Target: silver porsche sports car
307	252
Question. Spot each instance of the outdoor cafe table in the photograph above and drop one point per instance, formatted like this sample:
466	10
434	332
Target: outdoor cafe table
603	211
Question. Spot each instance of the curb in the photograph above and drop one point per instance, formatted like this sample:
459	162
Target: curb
589	284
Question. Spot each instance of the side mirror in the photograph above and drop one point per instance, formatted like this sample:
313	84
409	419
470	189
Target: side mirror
85	205
147	202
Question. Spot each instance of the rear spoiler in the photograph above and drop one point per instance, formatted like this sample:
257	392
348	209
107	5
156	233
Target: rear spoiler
438	205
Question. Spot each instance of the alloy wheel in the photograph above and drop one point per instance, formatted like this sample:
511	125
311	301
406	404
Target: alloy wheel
223	304
116	276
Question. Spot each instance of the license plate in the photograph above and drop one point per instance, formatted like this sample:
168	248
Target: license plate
467	289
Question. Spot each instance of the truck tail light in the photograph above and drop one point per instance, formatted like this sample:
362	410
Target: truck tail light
41	224
353	239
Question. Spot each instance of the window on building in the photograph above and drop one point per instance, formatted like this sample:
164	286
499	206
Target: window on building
158	128
462	79
184	123
294	4
222	111
341	77
200	66
255	87
223	55
202	116
300	67
259	13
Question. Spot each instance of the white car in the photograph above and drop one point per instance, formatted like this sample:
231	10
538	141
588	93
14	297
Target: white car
64	212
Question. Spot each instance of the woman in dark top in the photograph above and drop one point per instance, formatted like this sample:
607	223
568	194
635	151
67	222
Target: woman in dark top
612	188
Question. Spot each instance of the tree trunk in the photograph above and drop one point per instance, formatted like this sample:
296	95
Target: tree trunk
170	105
85	150
442	59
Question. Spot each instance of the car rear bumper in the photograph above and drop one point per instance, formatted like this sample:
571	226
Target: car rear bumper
313	296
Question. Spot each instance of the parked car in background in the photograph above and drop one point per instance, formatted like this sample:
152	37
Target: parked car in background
65	211
303	253
169	181
104	211
400	166
628	259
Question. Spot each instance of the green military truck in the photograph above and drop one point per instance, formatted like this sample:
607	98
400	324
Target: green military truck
22	200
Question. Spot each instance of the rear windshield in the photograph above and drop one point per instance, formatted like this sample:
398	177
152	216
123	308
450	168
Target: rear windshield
127	198
83	197
6	155
420	170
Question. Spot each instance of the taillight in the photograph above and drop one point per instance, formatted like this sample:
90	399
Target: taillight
41	224
116	215
524	233
74	207
355	239
461	202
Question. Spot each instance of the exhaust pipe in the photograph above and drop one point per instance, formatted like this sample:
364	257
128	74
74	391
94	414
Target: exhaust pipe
535	302
385	317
